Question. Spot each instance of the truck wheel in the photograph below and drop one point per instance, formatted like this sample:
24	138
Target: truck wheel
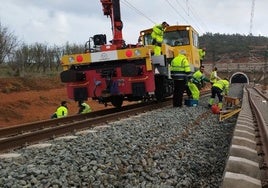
117	101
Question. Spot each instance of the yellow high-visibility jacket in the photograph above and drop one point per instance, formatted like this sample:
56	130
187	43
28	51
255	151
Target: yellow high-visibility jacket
180	67
61	111
158	33
223	85
86	108
202	54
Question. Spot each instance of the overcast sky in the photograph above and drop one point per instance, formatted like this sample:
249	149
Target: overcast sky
58	21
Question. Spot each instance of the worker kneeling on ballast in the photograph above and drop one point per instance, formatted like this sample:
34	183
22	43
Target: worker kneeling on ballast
219	88
83	107
62	111
196	82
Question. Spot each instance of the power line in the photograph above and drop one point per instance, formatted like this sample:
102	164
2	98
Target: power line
187	12
198	18
137	10
176	10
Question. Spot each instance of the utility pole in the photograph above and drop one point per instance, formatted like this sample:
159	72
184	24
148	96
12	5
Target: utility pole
251	17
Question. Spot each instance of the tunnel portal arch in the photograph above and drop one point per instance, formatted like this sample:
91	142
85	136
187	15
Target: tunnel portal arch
239	77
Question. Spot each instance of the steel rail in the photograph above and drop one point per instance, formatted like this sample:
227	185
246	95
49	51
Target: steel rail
260	93
262	137
22	135
52	131
33	126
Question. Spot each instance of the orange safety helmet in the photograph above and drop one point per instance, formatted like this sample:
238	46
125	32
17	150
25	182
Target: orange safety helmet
215	109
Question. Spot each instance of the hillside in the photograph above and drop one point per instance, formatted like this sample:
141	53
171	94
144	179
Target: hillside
235	48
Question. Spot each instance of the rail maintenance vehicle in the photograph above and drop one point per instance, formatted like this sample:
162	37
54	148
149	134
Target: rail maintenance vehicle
118	72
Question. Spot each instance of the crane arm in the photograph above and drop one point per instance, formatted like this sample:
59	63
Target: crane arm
111	8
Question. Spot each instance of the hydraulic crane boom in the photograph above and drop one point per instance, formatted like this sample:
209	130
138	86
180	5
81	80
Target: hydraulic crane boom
112	8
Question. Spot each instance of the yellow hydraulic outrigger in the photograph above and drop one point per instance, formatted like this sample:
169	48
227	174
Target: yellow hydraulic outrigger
232	107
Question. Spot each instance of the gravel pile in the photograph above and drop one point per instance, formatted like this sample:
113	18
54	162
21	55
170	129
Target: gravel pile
163	148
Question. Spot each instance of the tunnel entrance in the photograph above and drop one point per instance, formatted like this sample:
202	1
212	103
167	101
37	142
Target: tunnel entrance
239	77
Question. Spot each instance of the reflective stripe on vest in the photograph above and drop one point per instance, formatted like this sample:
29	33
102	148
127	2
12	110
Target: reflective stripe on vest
180	67
87	108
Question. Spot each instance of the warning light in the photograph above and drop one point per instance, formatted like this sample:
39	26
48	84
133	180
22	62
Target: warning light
129	53
79	58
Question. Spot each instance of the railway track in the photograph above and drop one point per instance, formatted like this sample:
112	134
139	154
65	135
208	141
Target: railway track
148	130
26	134
245	127
248	155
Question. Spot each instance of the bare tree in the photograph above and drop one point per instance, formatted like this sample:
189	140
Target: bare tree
8	43
21	60
34	58
73	48
40	56
57	54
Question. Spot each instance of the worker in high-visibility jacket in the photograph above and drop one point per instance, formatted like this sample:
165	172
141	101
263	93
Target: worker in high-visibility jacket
202	54
213	76
83	108
196	82
219	88
158	37
180	70
62	111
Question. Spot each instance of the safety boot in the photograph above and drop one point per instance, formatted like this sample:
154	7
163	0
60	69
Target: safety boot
211	101
220	105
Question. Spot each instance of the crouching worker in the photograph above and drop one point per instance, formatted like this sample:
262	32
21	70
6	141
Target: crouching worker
219	88
83	108
196	82
62	111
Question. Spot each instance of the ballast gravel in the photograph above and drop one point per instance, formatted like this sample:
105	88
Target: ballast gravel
170	147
